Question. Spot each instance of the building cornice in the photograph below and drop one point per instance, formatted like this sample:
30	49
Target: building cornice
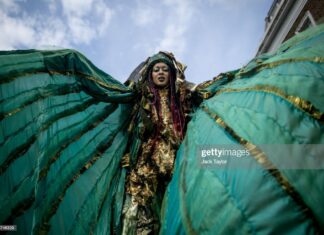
281	24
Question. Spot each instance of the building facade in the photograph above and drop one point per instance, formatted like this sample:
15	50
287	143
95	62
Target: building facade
287	18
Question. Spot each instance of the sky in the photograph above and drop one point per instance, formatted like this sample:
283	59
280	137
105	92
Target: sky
209	36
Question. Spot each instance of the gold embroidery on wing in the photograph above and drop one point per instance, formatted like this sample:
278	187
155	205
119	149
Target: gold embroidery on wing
274	64
259	68
16	110
208	83
88	77
206	94
205	84
263	160
66	73
12	112
298	102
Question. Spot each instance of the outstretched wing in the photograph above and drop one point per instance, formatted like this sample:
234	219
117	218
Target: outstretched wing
276	100
63	133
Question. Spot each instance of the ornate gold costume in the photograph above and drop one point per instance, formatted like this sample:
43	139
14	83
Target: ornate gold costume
161	127
157	156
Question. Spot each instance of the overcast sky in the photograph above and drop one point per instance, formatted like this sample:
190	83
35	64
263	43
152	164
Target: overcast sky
209	36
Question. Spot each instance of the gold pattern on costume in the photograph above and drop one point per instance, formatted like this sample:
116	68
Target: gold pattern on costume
3	116
273	64
205	84
91	78
206	94
67	73
258	68
157	156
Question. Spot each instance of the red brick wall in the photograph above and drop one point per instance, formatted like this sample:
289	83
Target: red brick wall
315	7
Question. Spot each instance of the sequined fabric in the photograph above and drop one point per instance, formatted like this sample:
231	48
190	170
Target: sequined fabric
157	156
153	169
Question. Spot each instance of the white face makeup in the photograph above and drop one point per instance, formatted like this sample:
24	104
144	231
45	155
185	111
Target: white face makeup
161	74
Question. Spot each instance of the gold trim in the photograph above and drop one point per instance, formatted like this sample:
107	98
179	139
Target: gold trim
35	118
273	64
88	77
208	83
61	90
66	73
260	67
263	160
12	78
205	94
205	84
303	105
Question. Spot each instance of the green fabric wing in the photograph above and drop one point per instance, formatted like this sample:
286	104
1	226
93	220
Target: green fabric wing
276	99
63	133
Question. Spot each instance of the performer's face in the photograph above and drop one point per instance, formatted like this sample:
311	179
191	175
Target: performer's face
161	74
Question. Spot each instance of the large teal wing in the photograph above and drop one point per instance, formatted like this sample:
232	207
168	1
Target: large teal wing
63	133
276	100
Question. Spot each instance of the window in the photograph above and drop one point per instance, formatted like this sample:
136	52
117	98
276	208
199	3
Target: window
305	23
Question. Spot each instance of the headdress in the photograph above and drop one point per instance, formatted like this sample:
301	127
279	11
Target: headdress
149	89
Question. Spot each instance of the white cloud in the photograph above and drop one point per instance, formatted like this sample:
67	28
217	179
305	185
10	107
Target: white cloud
77	7
174	38
86	19
54	33
178	22
81	30
145	14
9	6
224	2
105	14
52	6
230	5
80	23
219	1
14	32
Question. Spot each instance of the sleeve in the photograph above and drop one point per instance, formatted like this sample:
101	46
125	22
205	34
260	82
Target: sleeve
271	109
63	133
